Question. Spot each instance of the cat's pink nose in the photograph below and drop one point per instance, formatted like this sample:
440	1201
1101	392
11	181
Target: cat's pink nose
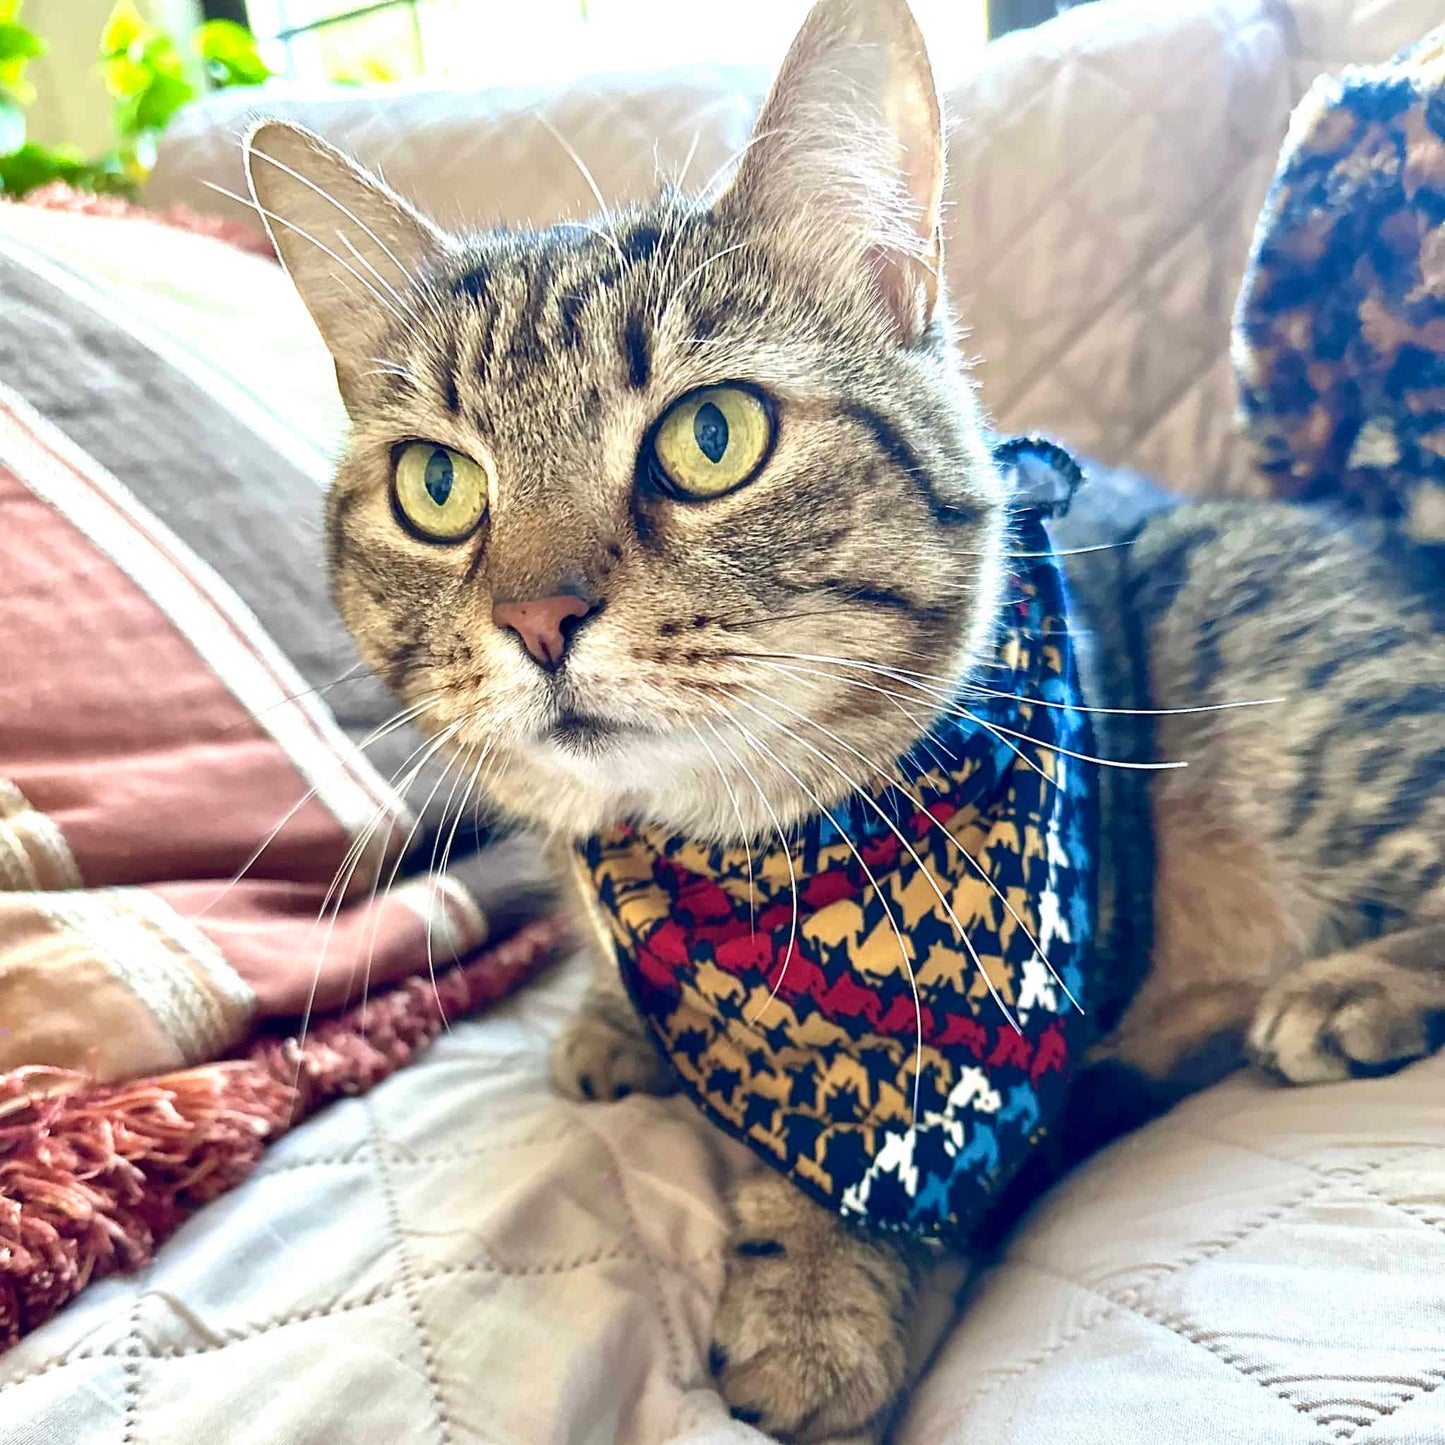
544	624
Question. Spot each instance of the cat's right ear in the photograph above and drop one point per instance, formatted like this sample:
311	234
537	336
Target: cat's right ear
846	160
352	247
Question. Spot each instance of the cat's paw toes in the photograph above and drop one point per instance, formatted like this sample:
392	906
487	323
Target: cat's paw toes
1320	1026
808	1348
594	1058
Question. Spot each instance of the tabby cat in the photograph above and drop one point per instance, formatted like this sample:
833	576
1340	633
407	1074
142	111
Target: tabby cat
650	508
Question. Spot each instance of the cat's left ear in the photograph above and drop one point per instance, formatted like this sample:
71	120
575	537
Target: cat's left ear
353	248
847	154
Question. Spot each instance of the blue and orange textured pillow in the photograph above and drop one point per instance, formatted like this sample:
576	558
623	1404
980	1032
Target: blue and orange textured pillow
1340	330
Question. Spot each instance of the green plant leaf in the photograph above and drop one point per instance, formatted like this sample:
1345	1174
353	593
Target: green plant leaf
162	98
124	79
158	51
144	73
24	169
12	124
19	43
13	82
33	166
123	27
230	53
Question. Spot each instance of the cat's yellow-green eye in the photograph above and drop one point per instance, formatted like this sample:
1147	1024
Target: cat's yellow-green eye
441	494
712	441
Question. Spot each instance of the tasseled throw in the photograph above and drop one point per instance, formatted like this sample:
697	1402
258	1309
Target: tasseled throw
94	1179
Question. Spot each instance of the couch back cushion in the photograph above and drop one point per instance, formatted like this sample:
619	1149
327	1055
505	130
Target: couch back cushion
1105	170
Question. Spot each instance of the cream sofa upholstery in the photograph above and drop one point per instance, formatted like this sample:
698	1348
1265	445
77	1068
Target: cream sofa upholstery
463	1258
1105	174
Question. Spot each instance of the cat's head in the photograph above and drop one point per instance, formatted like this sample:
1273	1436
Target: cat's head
638	507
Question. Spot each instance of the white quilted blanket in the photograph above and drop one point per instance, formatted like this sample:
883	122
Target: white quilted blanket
461	1257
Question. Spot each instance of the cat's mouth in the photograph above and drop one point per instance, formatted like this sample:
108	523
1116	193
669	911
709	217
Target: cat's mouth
585	732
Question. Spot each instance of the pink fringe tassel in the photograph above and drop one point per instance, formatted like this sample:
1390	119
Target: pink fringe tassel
94	1179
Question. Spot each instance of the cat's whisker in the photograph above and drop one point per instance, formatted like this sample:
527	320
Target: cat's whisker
742	624
692	276
418	293
903	674
1124	764
352	674
907	697
705	194
988	727
433	874
602	235
362	261
688	159
743	831
397	720
908	848
674	234
963	852
481	794
591	181
1127	711
587	176
1039	556
438	874
736	624
381	366
355	220
380	891
1035	701
815	677
878	893
1055	552
947	705
341	885
747	772
325	250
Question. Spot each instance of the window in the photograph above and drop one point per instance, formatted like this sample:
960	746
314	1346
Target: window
529	42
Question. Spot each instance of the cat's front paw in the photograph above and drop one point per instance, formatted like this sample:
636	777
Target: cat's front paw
599	1057
1335	1019
808	1342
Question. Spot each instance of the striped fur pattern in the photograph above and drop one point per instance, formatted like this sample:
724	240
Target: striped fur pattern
562	350
1298	900
1303	849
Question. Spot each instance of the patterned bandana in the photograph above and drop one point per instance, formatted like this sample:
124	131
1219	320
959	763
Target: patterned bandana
889	1009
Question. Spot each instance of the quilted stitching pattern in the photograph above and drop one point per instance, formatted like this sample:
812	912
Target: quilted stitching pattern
1105	173
1104	184
1279	1265
357	1265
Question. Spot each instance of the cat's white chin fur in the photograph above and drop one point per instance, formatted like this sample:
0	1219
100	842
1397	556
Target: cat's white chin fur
667	781
576	792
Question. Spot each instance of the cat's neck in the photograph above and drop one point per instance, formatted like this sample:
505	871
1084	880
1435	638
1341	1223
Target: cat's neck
666	785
